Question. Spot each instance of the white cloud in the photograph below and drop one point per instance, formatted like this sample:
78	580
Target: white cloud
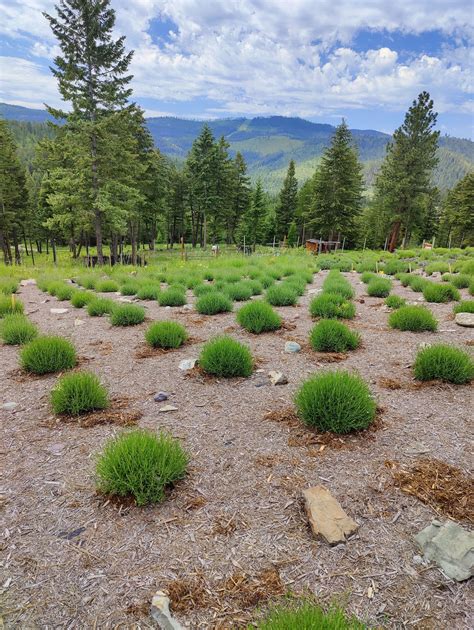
269	56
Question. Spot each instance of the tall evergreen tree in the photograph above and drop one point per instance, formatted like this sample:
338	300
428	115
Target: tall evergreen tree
252	226
92	75
406	171
13	196
240	196
338	186
457	218
288	202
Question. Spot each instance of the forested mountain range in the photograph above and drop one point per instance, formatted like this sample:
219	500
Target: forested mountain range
267	144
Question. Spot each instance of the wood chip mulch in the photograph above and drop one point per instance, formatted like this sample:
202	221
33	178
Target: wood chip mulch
301	435
144	351
118	413
445	488
229	596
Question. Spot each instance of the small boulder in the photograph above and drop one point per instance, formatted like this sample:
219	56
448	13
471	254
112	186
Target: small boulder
326	516
79	322
28	282
167	408
9	406
450	547
126	300
160	612
292	346
465	319
187	364
161	396
58	311
277	378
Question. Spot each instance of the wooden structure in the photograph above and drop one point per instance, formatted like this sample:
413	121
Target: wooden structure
318	246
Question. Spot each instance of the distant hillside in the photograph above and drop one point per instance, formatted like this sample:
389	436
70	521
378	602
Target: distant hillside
268	144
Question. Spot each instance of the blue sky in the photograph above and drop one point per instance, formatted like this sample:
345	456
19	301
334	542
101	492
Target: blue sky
318	59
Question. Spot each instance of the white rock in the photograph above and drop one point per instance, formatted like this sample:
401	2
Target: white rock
188	307
9	406
187	364
127	300
167	408
58	311
79	322
277	378
160	612
465	319
28	282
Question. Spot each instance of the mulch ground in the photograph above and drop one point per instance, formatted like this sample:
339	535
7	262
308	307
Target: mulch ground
232	535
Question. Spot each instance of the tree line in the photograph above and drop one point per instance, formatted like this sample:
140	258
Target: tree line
97	179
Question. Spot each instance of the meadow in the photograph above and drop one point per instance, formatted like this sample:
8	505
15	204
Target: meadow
147	448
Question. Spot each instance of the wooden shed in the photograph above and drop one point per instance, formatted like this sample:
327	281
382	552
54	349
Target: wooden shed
318	246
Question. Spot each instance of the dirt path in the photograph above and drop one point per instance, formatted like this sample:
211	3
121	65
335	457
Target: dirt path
239	510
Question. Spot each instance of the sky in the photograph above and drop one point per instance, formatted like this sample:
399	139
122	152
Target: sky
364	60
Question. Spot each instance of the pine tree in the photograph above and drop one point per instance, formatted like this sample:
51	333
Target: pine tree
92	75
240	196
292	235
13	196
406	171
338	186
253	223
457	218
288	202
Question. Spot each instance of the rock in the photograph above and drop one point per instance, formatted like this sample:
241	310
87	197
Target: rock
465	319
292	346
187	364
261	383
79	322
326	516
423	345
161	396
187	307
417	448
277	378
58	311
167	408
28	282
160	612
449	546
9	406
126	300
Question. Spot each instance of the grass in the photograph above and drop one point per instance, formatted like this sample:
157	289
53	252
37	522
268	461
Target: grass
417	283
258	317
82	298
445	363
88	281
202	289
330	335
307	616
336	283
238	291
460	281
367	276
224	356
130	287
379	287
106	286
441	267
64	291
16	330
10	305
173	296
166	335
140	464
435	292
148	291
212	303
465	306
338	401
331	306
78	393
100	306
46	355
394	301
281	295
413	318
8	286
127	315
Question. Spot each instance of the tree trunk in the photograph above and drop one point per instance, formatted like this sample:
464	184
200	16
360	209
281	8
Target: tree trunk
17	249
53	247
7	254
32	253
394	234
114	248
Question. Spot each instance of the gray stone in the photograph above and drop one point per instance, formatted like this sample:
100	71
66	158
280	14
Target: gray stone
326	516
187	307
58	311
187	364
160	612
79	322
465	319
277	378
450	547
161	396
292	346
9	406
28	282
126	300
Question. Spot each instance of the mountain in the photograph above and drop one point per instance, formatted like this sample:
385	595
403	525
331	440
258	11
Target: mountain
267	144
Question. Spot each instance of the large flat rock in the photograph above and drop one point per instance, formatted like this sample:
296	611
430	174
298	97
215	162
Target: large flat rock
450	547
465	319
326	516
